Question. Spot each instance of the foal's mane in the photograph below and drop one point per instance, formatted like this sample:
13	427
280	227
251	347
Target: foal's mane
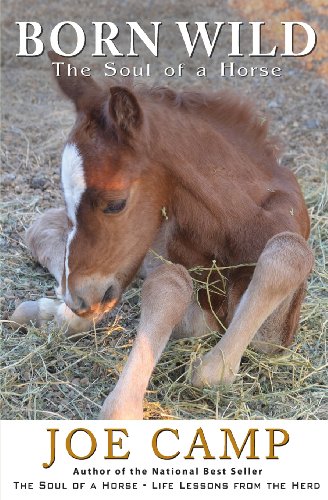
232	113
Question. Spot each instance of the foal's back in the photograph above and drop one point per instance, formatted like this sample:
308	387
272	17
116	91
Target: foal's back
255	197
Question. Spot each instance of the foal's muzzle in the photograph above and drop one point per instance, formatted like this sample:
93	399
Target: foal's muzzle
92	296
81	308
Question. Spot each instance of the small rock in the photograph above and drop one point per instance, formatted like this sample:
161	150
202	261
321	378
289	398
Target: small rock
311	123
7	179
84	381
38	183
273	104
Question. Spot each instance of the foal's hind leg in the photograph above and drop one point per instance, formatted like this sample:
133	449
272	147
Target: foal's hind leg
195	323
46	240
278	330
281	270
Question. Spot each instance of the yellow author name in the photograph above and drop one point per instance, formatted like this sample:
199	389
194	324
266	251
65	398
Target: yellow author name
117	444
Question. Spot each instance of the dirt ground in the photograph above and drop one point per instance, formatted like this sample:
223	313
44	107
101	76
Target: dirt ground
43	375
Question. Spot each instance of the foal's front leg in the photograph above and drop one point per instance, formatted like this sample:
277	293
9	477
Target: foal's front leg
165	297
282	267
46	240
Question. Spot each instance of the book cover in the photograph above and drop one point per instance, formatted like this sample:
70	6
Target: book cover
164	215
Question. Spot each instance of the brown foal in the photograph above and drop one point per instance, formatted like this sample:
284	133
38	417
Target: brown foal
206	163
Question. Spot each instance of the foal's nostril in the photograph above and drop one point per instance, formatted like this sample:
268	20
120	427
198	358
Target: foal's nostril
108	295
81	304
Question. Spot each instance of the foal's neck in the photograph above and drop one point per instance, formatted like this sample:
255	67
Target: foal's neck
199	159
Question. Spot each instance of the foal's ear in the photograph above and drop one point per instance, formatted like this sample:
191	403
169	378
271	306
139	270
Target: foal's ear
82	90
125	110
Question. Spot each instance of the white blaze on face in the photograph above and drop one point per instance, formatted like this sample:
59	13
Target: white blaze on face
74	186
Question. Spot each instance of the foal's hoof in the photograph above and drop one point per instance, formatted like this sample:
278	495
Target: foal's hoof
25	313
207	372
37	313
118	409
71	324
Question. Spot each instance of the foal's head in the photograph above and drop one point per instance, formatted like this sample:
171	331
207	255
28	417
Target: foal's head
112	192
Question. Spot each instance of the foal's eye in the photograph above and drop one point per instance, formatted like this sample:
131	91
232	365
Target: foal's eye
115	206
